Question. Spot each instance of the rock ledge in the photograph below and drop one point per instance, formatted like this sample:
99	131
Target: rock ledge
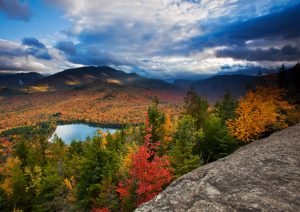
262	176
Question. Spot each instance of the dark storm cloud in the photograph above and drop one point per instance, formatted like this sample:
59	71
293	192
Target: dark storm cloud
67	47
39	53
16	9
36	48
95	56
283	25
246	69
33	42
287	53
88	54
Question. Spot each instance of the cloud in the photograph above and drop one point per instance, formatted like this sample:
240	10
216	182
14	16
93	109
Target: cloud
95	56
15	56
165	38
281	26
36	48
286	53
33	42
16	9
170	37
68	47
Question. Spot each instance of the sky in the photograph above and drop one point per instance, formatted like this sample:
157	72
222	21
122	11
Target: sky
165	39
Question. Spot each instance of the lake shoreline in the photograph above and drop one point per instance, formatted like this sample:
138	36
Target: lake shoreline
94	124
78	131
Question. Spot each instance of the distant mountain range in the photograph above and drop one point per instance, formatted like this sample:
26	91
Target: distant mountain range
214	87
108	96
94	78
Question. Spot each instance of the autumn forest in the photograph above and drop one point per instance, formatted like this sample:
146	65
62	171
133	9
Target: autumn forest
163	136
114	106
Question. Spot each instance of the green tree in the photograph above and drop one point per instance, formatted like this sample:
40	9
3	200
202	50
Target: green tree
196	106
184	140
21	151
52	194
57	155
14	186
282	77
217	142
98	163
225	109
156	121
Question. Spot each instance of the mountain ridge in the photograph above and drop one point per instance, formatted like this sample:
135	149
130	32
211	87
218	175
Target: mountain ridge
91	75
19	79
93	78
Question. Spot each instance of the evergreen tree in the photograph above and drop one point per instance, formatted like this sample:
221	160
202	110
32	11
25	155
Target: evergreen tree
225	109
184	139
217	142
282	77
196	106
156	120
98	163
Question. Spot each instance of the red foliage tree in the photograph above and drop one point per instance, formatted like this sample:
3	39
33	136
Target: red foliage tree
146	177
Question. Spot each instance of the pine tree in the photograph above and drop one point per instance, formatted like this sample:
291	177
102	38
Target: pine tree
225	109
184	139
196	107
216	142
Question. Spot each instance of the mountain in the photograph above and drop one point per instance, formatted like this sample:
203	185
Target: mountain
183	84
213	88
89	77
88	94
95	79
10	83
19	80
108	96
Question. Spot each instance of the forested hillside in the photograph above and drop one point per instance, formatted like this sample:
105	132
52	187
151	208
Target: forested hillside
113	172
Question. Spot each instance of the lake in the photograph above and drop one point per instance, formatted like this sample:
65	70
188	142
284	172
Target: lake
70	132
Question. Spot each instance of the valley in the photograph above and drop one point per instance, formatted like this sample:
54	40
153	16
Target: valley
118	98
102	95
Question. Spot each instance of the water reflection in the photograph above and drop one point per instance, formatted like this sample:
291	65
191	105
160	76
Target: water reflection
70	132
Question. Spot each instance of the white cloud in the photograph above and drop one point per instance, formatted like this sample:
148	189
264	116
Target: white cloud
14	57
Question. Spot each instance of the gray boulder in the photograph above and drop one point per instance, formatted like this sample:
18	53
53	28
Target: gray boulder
262	176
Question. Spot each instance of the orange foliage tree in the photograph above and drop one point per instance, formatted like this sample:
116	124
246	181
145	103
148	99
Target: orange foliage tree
5	149
260	111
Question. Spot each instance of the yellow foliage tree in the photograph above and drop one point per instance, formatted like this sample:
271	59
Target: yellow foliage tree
7	170
259	112
168	128
70	184
35	176
127	159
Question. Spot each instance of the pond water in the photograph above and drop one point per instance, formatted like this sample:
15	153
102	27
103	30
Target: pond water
70	132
